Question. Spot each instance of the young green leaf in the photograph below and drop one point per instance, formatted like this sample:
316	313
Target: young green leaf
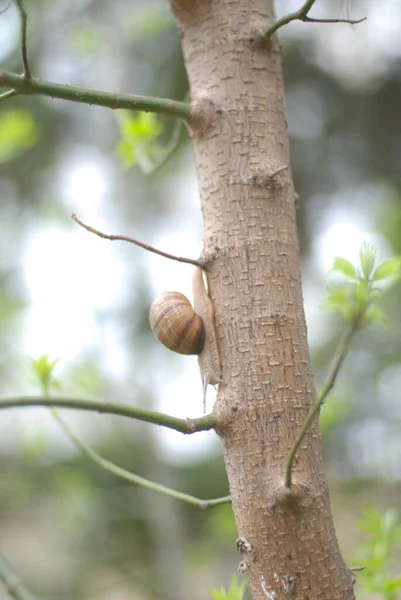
43	368
235	591
18	132
343	266
389	268
367	257
139	133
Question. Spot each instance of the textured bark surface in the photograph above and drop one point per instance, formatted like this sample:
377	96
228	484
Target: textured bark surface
240	141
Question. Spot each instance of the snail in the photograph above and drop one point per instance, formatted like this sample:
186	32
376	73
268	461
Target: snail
188	330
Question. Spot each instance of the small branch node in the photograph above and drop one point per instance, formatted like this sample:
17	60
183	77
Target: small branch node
123	238
242	567
243	546
189	425
268	177
287	582
258	40
204	113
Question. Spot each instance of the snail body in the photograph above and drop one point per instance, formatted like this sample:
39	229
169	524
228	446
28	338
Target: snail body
188	330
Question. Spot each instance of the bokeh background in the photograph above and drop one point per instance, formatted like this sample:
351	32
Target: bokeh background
71	529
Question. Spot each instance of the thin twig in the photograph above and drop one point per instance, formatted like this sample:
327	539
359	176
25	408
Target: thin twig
124	238
24	22
7	6
12	581
8	94
349	21
128	476
38	87
341	354
302	15
187	426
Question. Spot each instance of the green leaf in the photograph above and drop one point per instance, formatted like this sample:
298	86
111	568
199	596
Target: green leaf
43	368
18	132
85	40
344	267
374	314
138	136
339	300
389	268
150	21
235	591
333	413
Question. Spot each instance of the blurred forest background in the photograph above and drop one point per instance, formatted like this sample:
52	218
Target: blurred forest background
72	530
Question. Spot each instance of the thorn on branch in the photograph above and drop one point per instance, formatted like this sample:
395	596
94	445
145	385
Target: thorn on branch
124	238
8	94
302	15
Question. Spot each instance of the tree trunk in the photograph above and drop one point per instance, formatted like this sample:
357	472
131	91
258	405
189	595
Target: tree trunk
240	140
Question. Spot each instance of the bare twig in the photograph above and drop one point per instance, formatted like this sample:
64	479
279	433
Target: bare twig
7	6
188	426
128	476
341	354
38	87
124	238
8	94
302	15
24	22
12	581
349	21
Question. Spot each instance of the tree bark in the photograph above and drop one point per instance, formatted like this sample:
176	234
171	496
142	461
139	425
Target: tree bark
240	140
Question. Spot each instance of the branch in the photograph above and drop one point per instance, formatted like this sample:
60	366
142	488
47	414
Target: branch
128	476
302	15
342	351
123	238
38	87
12	582
24	20
187	426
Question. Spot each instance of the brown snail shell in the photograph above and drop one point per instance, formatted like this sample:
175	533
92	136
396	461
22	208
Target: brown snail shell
176	325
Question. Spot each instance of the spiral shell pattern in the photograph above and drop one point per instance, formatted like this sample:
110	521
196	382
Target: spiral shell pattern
176	325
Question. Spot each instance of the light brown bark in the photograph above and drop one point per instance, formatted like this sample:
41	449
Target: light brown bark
240	141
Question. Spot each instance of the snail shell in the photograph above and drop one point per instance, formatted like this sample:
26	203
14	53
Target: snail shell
176	325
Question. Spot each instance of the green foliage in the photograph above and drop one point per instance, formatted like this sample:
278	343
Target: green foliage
383	534
138	137
355	298
234	592
332	413
221	522
18	132
150	21
43	368
85	40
